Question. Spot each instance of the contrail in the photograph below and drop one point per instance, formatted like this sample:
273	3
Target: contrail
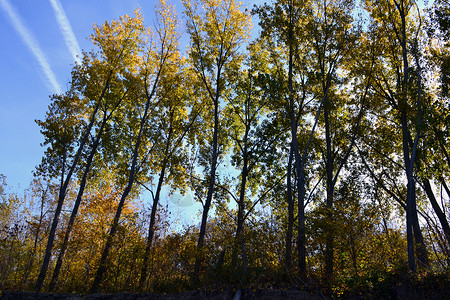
66	30
32	44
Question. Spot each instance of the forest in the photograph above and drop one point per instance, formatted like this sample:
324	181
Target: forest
331	120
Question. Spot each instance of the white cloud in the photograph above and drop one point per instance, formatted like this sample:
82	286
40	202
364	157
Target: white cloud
32	44
66	30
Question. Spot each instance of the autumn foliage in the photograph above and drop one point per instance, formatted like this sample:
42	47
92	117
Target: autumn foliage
318	148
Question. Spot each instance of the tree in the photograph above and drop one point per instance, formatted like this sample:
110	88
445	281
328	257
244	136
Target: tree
254	131
174	124
285	22
216	34
401	87
157	59
91	69
331	31
90	84
63	111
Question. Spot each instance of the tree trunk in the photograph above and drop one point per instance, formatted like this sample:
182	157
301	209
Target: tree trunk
114	226
329	244
56	271
412	221
294	144
301	243
239	237
36	238
413	233
207	205
437	209
290	201
201	237
422	255
48	250
62	195
151	228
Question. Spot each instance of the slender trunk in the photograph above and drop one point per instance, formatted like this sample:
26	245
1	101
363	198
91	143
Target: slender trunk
329	243
294	143
57	270
410	198
215	153
410	187
422	255
300	167
301	220
301	243
290	201
437	209
412	222
244	174
62	195
418	241
331	181
207	205
151	228
239	237
44	267
114	226
151	232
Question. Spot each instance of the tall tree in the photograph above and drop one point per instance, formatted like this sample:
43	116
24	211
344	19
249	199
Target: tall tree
255	134
284	23
156	58
174	123
401	88
61	130
434	155
102	71
216	30
316	35
93	66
